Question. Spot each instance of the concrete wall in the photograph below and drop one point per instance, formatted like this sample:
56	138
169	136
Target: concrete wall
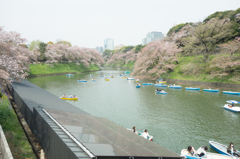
209	84
4	148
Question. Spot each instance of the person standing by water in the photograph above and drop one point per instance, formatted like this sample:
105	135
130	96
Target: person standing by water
231	150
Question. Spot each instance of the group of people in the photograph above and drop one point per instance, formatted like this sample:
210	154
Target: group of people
158	90
144	134
202	151
70	96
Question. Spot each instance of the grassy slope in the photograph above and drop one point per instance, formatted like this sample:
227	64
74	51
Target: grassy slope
15	135
199	75
60	68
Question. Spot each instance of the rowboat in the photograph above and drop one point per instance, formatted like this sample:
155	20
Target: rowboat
82	80
222	149
130	78
231	107
137	80
211	90
106	79
69	74
69	98
126	72
90	75
124	77
147	84
101	76
209	155
175	86
149	137
161	92
191	88
138	86
94	80
162	82
112	77
230	92
160	85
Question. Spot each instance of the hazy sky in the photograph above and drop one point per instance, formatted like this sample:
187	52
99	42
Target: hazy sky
86	23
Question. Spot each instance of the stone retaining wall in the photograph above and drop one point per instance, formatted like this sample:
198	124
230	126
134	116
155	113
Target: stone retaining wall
6	153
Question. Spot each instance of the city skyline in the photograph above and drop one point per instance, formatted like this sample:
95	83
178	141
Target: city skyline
88	23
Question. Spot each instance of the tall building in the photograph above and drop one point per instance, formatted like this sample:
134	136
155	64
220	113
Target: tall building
99	48
108	44
152	36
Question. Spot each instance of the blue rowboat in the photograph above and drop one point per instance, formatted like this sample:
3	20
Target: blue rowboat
175	86
69	74
233	102
160	85
138	86
222	149
211	90
210	155
230	92
94	80
90	75
101	76
161	92
191	88
147	84
82	80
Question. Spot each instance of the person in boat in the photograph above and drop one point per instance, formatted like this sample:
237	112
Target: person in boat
74	96
232	104
202	151
64	96
145	134
231	150
134	130
70	96
191	151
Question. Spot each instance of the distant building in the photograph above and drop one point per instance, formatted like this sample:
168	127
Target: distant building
118	47
152	36
99	48
108	44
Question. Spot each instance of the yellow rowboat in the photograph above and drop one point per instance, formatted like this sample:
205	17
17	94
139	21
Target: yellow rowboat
161	82
112	77
69	98
124	77
106	79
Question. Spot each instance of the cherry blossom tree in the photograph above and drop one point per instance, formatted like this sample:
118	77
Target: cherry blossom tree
14	58
204	38
231	47
157	58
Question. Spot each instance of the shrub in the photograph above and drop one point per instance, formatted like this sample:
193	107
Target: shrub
5	111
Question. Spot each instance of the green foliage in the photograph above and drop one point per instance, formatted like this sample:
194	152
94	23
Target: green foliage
1	94
14	133
5	111
40	69
224	14
107	53
138	48
126	48
33	44
177	28
42	50
65	42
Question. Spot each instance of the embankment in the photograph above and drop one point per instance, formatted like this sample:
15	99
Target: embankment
206	84
58	69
